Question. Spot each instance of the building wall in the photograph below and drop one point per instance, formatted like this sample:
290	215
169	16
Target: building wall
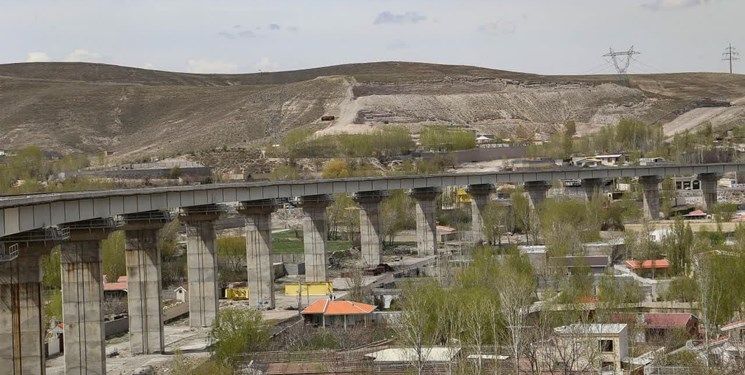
309	289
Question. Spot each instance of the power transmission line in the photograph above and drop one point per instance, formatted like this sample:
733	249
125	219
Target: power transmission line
621	63
730	54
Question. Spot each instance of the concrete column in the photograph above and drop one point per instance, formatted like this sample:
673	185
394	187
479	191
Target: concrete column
651	196
371	226
426	219
82	297
22	326
144	302
314	236
480	195
536	191
592	186
709	183
259	251
201	260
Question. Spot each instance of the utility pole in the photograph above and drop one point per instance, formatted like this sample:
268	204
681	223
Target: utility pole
730	54
621	64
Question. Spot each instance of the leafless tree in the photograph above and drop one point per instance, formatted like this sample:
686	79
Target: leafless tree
420	320
515	292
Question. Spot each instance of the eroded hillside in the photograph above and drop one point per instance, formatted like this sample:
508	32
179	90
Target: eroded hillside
136	112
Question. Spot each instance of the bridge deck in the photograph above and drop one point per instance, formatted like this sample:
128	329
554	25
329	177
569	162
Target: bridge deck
27	212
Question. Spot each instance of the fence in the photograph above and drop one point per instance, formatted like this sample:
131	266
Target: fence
666	370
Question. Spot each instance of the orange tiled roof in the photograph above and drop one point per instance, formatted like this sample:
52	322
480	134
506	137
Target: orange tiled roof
329	307
648	264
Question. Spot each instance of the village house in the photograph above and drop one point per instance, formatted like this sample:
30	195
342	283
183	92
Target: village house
596	264
115	290
661	325
604	344
335	313
611	160
648	268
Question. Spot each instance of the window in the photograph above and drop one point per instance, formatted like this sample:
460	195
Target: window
606	346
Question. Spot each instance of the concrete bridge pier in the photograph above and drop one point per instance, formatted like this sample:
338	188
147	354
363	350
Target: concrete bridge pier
258	216
144	302
426	219
709	189
593	187
201	262
536	192
371	232
480	195
314	236
82	297
651	196
22	324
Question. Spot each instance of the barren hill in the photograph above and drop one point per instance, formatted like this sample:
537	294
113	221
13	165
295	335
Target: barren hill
136	112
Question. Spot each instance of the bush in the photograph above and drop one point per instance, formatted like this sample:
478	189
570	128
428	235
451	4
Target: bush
442	138
236	331
336	168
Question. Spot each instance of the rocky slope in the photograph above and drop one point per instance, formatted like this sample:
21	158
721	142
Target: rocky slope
136	112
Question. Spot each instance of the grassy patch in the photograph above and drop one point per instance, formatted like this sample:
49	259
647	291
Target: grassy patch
287	243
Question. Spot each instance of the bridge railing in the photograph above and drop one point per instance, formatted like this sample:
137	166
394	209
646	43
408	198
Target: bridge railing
8	252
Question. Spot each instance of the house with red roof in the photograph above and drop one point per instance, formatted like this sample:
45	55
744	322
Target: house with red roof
649	267
328	312
117	289
660	325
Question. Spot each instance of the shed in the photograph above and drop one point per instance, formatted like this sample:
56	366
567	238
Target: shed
181	293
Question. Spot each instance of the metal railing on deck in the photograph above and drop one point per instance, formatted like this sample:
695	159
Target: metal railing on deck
157	216
8	252
100	223
48	234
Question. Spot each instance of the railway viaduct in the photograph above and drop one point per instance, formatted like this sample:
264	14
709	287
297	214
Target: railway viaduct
31	225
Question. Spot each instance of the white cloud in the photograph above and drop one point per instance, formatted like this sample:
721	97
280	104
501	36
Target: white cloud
83	55
408	17
497	27
37	57
672	4
266	65
211	66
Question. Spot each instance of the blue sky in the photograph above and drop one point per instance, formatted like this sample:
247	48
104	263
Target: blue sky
227	36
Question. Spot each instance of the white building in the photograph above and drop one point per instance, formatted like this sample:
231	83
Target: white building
600	346
610	160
